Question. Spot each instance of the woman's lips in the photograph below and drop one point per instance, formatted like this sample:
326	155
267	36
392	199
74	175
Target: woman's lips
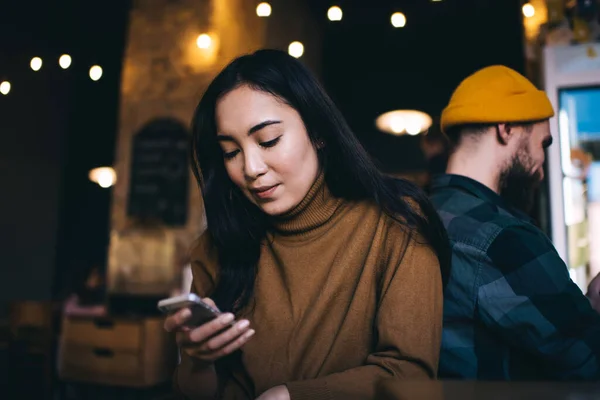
264	192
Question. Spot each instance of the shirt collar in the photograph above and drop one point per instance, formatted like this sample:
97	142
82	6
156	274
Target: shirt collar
477	189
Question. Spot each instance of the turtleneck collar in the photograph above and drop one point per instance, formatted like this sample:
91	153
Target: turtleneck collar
317	207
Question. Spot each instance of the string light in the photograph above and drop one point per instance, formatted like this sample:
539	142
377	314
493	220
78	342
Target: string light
95	72
296	49
36	63
204	41
398	20
528	10
64	61
334	13
263	9
5	87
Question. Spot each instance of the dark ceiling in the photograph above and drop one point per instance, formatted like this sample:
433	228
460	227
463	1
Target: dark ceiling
369	67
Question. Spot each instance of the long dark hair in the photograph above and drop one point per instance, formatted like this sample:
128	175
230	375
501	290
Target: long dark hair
236	226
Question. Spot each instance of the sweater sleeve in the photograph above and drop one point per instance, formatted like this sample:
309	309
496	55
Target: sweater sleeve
204	278
204	263
408	324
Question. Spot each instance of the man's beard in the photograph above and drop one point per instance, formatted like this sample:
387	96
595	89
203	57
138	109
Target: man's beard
518	185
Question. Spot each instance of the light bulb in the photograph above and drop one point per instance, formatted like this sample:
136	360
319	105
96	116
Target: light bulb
36	63
204	41
105	177
64	61
397	124
296	49
398	20
263	9
528	10
334	13
95	72
5	87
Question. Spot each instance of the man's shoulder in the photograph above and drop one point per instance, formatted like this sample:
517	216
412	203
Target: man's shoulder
471	220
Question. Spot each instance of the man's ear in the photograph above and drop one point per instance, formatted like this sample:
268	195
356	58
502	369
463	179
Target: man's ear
504	133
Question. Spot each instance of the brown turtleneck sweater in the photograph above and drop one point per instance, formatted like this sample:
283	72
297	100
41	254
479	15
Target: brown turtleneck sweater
343	298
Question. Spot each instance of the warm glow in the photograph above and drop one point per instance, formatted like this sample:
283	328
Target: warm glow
105	177
334	13
296	49
204	41
398	20
5	87
399	122
528	10
263	10
414	126
396	124
36	63
64	61
96	72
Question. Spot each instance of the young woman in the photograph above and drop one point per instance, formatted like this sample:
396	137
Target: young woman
333	271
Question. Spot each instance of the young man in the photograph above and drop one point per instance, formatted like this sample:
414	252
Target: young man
511	311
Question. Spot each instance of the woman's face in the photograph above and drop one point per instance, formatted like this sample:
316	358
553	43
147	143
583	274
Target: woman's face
266	149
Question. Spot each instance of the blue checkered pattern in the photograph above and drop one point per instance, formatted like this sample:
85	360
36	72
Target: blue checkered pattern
511	311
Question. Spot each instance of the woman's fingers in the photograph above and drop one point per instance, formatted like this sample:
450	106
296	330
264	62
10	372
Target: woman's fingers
207	330
212	352
236	344
219	341
176	321
212	340
210	302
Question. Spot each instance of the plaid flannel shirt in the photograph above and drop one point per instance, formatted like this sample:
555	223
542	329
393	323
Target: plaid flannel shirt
511	311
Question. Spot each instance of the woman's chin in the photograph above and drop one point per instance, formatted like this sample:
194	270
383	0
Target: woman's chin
275	208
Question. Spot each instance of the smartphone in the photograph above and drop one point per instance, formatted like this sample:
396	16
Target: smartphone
201	312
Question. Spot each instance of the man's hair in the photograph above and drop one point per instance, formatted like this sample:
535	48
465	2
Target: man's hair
457	133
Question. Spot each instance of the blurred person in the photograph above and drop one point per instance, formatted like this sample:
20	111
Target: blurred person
88	296
511	310
333	271
436	150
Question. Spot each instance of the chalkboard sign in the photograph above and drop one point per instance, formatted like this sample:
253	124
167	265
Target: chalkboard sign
158	189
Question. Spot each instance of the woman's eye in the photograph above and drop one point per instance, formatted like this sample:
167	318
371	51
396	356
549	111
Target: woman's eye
271	143
230	154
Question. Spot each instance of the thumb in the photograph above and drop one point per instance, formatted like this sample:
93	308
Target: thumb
210	302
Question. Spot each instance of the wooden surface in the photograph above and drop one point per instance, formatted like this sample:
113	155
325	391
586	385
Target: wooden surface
468	390
129	352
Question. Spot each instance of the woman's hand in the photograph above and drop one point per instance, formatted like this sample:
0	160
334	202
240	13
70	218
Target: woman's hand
277	393
212	340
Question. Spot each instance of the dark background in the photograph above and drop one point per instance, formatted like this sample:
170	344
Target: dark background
55	125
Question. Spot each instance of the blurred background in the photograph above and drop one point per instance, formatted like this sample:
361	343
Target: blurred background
98	208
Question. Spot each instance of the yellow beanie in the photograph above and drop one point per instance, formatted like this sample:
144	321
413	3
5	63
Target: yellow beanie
496	94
